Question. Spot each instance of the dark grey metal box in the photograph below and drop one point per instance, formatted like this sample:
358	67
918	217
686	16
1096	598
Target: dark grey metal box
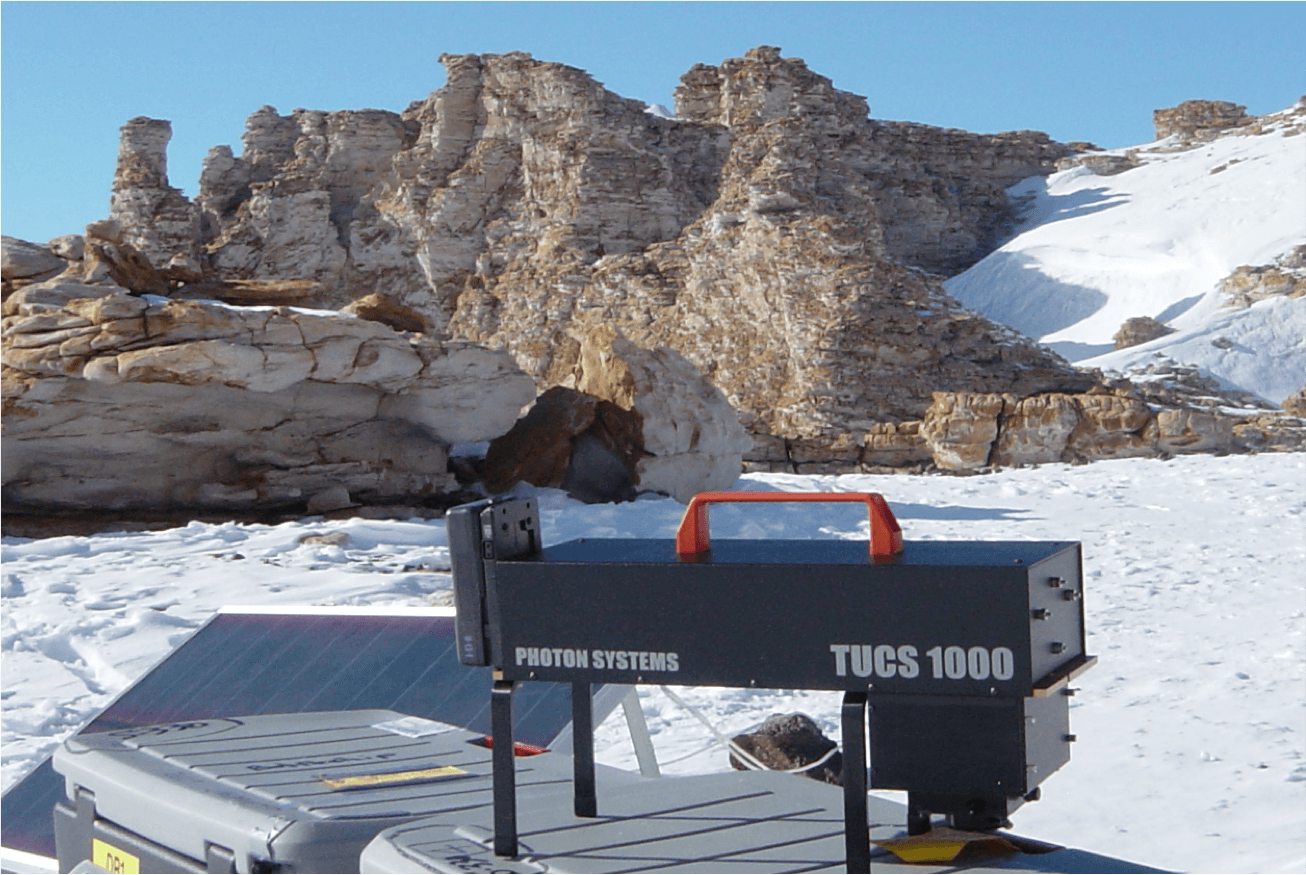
942	618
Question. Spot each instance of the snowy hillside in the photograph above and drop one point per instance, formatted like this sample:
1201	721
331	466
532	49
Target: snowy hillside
1192	728
1156	240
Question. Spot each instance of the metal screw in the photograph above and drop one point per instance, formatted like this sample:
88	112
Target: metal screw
1058	647
1040	613
1055	582
1070	595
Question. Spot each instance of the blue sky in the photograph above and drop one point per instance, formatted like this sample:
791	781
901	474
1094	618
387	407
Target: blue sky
72	73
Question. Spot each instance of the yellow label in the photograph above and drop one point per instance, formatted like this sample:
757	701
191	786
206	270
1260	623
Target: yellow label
111	859
409	777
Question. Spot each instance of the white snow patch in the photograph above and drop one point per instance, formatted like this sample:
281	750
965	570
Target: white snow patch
1094	251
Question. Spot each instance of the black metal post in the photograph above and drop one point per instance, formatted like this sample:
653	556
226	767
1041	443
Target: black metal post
857	834
918	816
582	750
504	770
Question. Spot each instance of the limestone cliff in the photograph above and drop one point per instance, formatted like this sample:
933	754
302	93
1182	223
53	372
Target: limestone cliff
783	242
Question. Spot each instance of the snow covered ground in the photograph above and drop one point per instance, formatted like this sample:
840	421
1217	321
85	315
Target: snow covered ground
1155	241
1191	729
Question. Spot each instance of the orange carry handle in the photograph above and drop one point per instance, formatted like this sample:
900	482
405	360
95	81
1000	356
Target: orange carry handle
693	538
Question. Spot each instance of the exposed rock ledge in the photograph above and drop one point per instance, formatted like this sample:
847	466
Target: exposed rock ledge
967	432
113	401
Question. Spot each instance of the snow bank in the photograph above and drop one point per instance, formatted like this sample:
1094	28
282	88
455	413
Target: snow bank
1155	241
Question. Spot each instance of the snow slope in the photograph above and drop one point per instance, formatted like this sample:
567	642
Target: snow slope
1192	728
1155	240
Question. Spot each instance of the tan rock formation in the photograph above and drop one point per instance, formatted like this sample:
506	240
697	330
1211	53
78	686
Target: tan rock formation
1295	404
1273	433
22	262
1199	119
1111	426
113	402
1101	165
1140	329
692	439
771	239
1193	431
894	445
523	201
158	221
108	258
969	432
1036	430
1249	284
380	308
960	429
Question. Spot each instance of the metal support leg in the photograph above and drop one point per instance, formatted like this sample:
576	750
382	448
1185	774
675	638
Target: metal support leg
857	834
582	750
504	770
645	755
918	816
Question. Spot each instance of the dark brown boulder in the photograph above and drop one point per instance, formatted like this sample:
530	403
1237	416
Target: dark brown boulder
573	441
790	741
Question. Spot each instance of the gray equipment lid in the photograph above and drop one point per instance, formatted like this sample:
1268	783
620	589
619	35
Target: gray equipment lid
734	822
308	790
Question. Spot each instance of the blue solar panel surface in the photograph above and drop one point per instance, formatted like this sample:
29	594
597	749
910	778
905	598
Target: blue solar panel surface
251	663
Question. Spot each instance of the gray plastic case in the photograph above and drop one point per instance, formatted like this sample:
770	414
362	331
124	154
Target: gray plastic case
288	792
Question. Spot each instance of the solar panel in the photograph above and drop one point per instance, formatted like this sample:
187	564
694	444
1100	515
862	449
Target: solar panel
266	661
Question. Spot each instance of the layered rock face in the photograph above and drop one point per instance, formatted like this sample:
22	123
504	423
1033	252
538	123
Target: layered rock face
771	234
119	402
160	222
967	432
1195	120
1249	284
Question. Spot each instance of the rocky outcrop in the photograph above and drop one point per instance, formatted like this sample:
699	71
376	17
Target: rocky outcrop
1199	120
1164	382
692	441
637	420
119	402
23	263
969	432
1295	404
158	220
101	258
960	429
1248	284
1140	329
523	202
1105	164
